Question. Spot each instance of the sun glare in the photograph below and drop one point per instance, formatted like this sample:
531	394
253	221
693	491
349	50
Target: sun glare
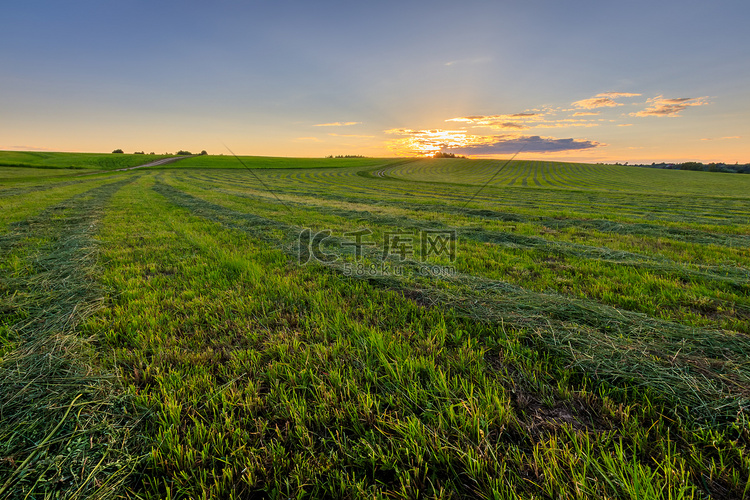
428	142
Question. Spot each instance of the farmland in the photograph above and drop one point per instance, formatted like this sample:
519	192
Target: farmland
287	328
74	161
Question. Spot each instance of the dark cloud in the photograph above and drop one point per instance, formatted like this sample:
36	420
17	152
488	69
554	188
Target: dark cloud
515	125
530	144
670	107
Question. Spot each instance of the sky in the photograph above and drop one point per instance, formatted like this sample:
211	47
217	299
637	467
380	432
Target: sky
593	81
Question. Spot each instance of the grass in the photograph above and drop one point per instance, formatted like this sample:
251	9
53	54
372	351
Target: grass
76	161
512	299
568	176
64	425
164	342
265	162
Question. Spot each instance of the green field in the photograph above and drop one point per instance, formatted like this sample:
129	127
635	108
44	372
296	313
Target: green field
169	333
577	176
45	164
229	161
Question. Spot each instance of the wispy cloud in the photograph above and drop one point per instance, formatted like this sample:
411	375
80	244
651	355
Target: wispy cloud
661	106
603	100
310	139
337	124
615	95
428	142
522	121
587	113
25	148
722	138
512	121
625	125
352	135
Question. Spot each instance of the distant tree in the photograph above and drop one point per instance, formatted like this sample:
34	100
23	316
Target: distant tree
183	153
151	153
118	151
139	153
446	155
691	165
203	153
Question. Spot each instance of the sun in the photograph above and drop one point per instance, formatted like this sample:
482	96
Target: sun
425	143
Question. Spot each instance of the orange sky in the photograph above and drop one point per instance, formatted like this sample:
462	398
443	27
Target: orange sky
556	80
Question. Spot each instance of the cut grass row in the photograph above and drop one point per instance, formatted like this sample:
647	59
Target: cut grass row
292	381
705	213
659	288
616	334
569	176
65	428
701	250
21	206
655	240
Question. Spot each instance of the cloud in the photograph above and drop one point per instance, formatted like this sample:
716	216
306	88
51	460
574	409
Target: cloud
615	95
603	100
625	125
500	144
402	131
722	138
429	142
597	102
670	107
521	121
516	120
26	148
567	123
337	124
352	135
426	142
587	113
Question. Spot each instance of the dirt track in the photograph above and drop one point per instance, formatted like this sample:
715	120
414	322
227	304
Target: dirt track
163	161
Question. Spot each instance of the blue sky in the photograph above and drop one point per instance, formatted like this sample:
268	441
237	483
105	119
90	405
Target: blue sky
591	81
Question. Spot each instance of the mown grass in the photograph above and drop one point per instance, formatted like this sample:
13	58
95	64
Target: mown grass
569	176
524	307
292	380
658	287
588	344
24	202
64	426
